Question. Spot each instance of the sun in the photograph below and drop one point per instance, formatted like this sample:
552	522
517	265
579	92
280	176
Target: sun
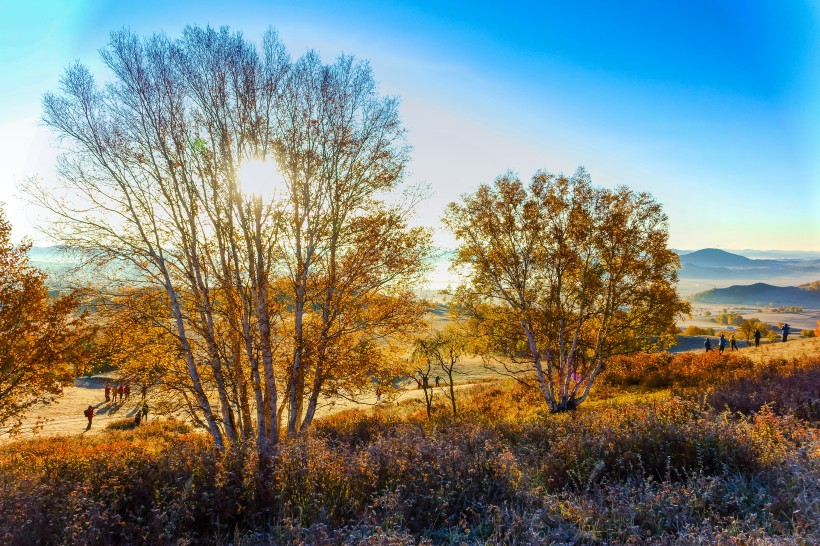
260	177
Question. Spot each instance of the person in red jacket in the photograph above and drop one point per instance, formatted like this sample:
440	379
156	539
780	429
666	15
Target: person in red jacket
108	392
89	414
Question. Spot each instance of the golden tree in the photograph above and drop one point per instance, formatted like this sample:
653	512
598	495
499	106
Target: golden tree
43	340
566	273
268	300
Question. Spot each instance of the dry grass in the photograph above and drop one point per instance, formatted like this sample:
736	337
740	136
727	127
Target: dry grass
646	466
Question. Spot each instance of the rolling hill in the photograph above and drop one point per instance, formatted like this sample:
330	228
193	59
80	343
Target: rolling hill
760	294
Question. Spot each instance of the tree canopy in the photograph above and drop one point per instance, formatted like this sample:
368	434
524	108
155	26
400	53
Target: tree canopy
273	303
43	340
563	275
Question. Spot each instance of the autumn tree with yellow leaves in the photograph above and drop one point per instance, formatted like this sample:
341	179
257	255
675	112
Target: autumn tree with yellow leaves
43	340
272	303
562	275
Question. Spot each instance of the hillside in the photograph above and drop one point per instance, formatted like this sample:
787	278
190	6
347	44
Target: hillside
760	294
713	257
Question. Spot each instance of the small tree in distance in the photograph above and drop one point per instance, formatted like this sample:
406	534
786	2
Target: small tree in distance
570	274
747	328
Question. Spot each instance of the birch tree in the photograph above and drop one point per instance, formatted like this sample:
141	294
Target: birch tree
273	302
569	273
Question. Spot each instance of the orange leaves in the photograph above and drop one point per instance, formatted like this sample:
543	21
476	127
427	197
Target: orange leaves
42	340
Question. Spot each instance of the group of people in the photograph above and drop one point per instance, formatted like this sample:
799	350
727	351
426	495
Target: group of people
733	342
121	392
114	391
722	343
423	382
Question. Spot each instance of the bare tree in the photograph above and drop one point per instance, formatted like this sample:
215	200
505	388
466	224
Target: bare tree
323	270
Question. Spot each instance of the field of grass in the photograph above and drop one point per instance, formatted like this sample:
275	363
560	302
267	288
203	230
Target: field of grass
674	449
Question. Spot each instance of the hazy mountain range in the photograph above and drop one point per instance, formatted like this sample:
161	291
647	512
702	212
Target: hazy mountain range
760	294
725	271
714	265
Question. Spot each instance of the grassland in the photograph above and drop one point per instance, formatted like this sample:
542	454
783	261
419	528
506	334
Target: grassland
674	449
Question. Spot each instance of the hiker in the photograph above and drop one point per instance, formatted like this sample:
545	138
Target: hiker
127	391
89	414
144	391
121	392
785	333
708	345
721	343
114	395
733	343
144	411
108	392
378	394
757	337
137	418
438	380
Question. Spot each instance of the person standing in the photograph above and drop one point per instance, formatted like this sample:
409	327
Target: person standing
89	414
708	345
108	392
721	343
785	333
144	411
121	392
733	343
757	337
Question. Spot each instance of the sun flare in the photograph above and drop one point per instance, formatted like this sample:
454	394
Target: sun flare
260	177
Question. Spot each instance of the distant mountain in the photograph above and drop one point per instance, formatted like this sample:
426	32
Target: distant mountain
714	257
760	294
715	265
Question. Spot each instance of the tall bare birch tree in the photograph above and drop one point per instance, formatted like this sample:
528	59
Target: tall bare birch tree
568	273
150	173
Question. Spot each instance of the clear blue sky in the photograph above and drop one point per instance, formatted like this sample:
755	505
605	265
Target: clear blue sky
714	107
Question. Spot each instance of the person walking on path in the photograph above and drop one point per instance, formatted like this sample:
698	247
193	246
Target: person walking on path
733	343
108	392
144	411
121	392
785	333
721	343
757	337
127	391
144	391
708	345
89	414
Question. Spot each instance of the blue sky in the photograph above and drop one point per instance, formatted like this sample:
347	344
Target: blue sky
713	107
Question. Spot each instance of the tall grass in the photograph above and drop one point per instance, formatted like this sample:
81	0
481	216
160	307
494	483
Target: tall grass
651	469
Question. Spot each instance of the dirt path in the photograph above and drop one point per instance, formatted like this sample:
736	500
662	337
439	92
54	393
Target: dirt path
65	417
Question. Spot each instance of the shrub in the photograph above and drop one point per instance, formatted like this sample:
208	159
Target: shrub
657	470
786	392
807	333
122	424
693	330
